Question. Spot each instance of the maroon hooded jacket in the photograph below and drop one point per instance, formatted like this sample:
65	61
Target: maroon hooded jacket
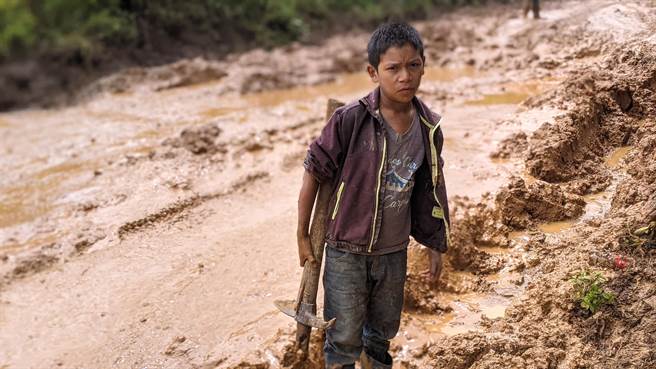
350	156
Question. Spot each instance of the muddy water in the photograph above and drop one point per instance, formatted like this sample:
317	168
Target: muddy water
344	85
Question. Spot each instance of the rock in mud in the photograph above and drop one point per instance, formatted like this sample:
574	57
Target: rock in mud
201	140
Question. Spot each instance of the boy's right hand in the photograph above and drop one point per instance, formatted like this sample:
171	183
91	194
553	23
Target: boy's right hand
305	250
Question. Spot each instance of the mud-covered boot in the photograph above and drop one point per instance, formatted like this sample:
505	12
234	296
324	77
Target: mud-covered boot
368	362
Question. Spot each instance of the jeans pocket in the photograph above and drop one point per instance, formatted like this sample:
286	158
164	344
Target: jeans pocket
334	254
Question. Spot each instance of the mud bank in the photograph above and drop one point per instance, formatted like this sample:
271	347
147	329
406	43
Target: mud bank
607	108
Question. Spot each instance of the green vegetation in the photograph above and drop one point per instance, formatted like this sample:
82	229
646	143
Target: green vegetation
85	27
589	291
643	237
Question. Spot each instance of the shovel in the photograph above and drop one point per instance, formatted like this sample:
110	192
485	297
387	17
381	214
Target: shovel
304	308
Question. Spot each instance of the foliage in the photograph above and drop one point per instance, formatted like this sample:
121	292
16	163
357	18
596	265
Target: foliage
643	237
86	26
589	291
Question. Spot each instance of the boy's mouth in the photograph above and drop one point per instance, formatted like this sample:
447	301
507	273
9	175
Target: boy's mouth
406	90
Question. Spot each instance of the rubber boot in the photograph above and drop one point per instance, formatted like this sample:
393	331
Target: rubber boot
368	362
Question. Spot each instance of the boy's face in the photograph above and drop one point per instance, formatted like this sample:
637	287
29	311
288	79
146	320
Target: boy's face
399	73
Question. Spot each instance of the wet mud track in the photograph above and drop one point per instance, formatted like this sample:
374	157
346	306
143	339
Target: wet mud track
152	226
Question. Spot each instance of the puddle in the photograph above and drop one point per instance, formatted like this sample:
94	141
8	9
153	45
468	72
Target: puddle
35	196
519	236
3	123
616	156
217	112
344	85
32	243
468	312
500	99
513	94
557	227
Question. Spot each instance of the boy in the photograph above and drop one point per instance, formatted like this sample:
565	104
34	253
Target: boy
381	155
535	5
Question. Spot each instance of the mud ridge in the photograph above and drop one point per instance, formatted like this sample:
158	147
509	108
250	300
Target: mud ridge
175	209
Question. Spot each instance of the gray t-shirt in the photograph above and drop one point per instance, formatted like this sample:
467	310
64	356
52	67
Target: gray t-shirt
405	153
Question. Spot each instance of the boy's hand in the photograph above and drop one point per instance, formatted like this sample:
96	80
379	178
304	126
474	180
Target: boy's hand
435	266
305	250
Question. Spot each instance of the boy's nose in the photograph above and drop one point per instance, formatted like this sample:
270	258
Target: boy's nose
404	75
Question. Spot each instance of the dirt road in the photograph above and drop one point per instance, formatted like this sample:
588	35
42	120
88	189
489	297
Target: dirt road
152	224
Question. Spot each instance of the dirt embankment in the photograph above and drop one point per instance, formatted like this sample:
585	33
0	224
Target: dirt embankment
607	107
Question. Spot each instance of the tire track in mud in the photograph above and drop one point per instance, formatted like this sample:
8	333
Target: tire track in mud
175	209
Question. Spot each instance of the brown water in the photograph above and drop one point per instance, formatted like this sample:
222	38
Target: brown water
36	195
344	85
514	93
616	156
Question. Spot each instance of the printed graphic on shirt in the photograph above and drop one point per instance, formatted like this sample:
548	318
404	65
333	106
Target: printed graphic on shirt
399	182
405	155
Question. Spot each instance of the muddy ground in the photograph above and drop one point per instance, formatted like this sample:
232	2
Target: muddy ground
152	224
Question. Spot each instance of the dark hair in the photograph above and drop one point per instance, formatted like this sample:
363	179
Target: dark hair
392	34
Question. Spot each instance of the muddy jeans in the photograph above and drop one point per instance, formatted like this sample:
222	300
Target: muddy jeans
365	294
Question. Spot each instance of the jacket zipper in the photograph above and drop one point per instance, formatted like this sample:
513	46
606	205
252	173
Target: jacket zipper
339	197
435	172
380	173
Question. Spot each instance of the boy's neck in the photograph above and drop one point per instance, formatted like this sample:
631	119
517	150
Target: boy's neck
394	107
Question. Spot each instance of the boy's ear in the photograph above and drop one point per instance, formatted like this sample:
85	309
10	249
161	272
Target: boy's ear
373	73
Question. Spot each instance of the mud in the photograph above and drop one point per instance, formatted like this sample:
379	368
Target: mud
153	225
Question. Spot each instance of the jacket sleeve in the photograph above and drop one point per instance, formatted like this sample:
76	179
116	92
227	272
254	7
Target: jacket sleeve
325	153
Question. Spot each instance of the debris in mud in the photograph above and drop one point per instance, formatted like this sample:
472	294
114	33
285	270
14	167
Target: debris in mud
181	73
643	237
201	140
85	240
34	264
175	349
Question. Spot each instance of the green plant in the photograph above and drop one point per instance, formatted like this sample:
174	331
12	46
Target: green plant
589	291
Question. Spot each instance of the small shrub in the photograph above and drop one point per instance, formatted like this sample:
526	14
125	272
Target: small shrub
589	291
